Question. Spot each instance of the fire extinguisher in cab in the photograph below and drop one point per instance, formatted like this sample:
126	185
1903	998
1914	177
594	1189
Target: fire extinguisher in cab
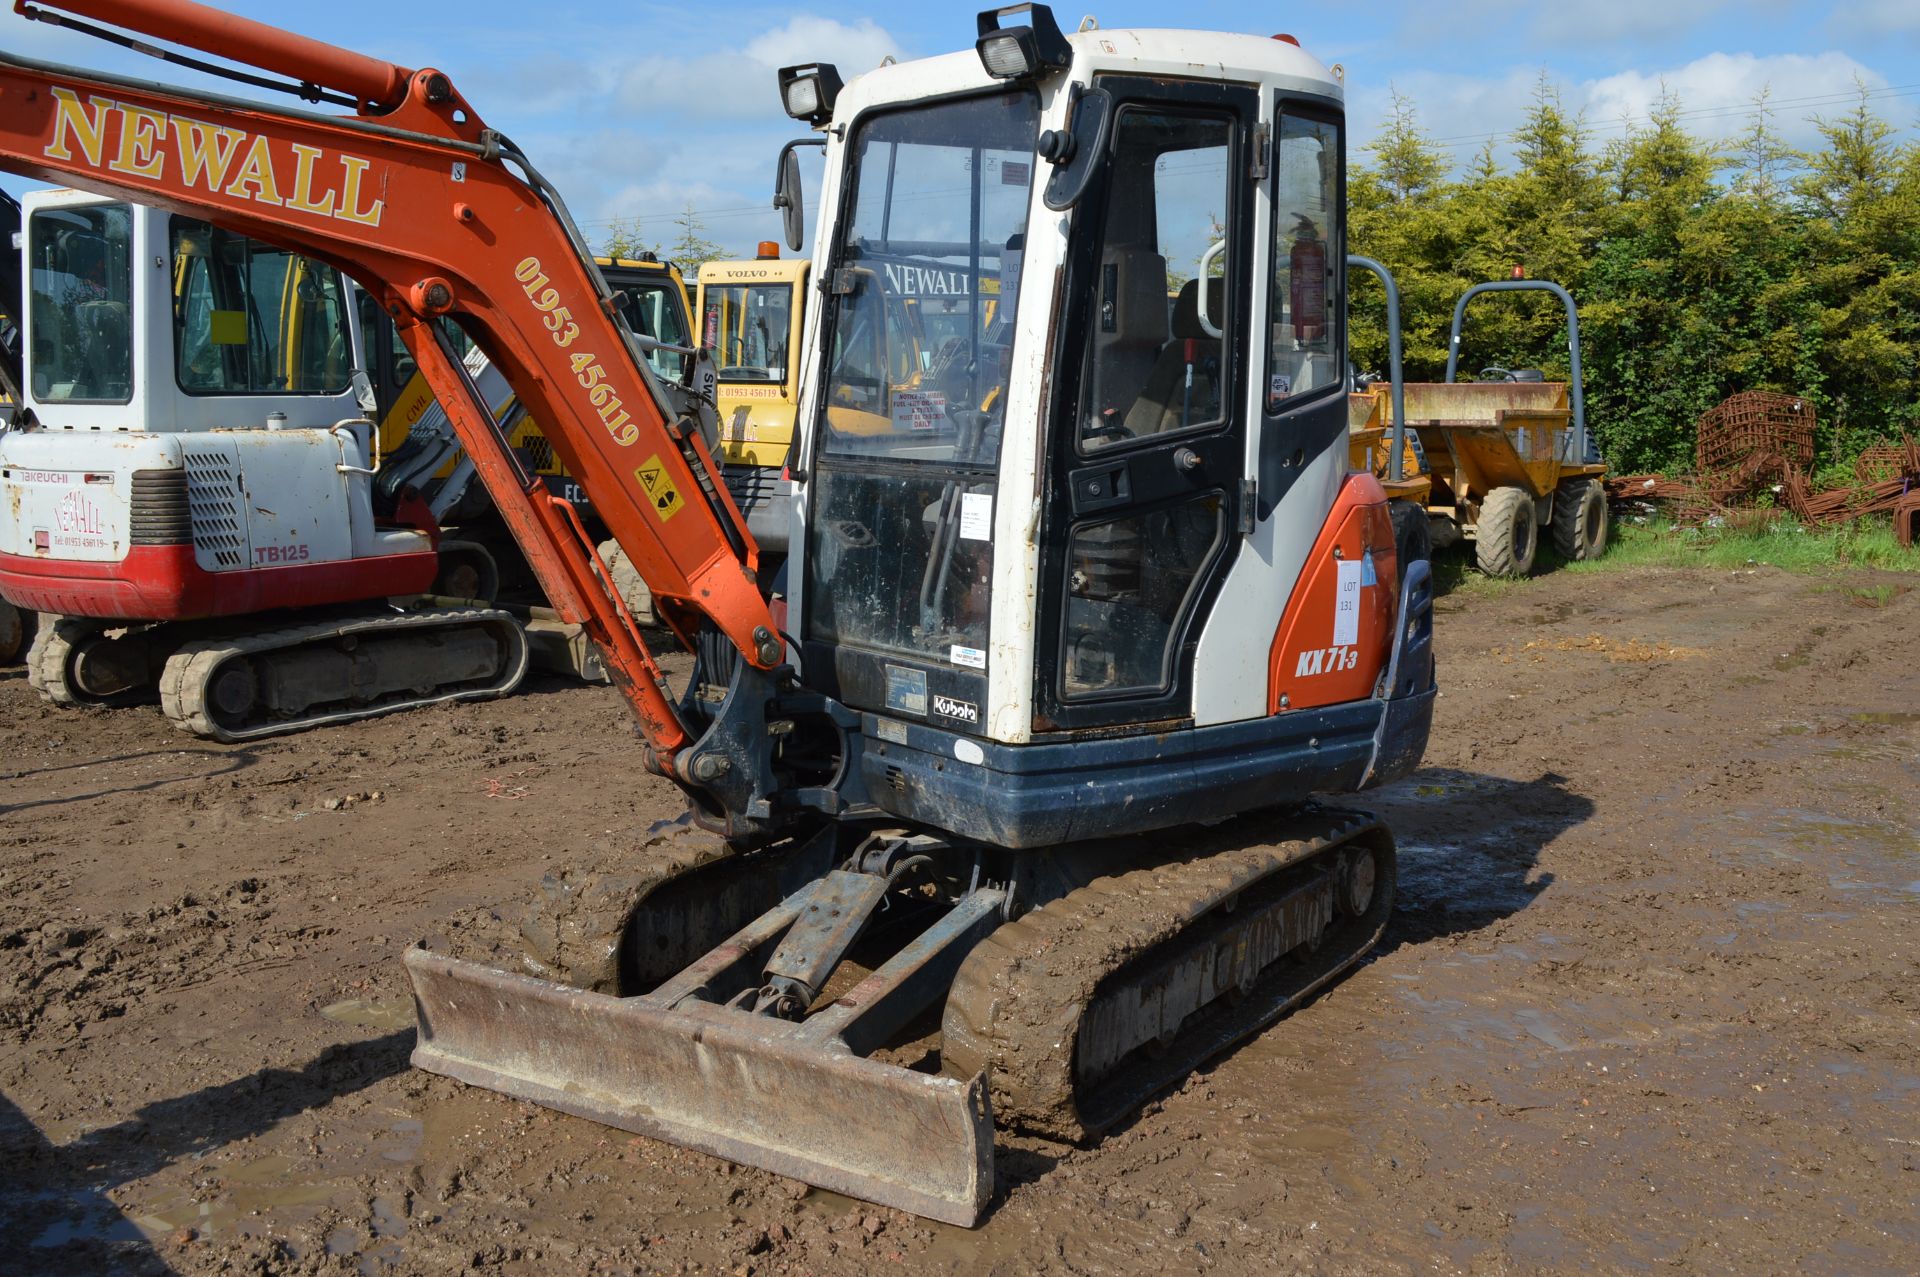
1307	265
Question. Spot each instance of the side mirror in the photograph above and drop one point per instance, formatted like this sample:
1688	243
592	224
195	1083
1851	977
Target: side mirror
790	200
1079	151
787	195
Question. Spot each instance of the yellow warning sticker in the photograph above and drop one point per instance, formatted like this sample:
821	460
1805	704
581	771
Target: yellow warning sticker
227	327
661	494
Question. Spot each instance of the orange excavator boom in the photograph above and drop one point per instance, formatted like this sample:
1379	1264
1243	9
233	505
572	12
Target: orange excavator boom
417	199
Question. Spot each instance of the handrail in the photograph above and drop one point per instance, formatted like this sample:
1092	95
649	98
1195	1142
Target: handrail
1397	383
1577	393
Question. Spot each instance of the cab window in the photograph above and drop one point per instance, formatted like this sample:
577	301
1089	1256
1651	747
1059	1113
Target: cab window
249	318
746	325
1304	338
651	310
1157	363
80	277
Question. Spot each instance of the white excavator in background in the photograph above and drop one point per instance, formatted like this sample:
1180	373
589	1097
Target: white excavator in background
192	489
204	507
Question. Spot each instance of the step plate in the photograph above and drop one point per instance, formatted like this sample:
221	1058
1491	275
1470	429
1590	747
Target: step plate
722	1082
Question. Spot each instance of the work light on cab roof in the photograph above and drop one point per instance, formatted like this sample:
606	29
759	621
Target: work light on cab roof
808	91
1019	53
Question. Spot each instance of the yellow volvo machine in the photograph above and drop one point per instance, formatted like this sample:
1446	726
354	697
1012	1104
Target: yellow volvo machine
750	319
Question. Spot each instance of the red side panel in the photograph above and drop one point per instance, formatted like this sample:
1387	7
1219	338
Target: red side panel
1337	633
163	583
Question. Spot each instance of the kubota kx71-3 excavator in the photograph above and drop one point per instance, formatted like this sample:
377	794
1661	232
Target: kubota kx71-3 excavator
1105	578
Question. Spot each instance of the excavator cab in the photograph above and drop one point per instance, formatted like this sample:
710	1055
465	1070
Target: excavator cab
1047	526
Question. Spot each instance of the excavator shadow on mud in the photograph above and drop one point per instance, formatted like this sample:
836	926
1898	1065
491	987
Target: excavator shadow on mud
1083	616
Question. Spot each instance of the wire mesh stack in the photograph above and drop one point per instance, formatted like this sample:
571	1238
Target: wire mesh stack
1752	459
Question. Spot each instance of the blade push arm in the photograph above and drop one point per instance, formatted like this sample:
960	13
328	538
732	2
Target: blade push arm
415	198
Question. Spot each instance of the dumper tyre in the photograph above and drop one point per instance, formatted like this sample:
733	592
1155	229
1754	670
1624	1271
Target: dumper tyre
1412	538
1507	534
1580	520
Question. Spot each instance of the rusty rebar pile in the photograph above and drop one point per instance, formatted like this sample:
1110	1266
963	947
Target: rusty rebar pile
1752	459
1754	423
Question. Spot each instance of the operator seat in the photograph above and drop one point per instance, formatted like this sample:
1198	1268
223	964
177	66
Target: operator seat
1166	402
1129	329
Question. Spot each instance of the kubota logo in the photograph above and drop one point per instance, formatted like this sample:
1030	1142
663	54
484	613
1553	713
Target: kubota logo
965	711
120	137
1326	660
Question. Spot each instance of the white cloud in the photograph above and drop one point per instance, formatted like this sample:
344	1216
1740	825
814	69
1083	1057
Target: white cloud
1717	92
1876	19
740	84
702	129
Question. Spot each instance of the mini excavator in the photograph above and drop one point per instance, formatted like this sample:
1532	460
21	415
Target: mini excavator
1008	815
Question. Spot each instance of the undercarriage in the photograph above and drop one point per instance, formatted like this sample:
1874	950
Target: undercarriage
860	1016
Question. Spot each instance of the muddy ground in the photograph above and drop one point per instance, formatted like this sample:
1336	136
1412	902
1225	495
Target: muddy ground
1651	1000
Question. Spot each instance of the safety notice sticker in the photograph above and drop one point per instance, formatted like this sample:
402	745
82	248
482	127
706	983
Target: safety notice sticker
976	516
662	495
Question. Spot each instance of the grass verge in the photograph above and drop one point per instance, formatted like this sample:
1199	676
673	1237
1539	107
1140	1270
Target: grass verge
1864	543
1785	544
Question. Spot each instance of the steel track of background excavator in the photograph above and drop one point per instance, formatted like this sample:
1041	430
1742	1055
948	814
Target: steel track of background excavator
475	654
1082	1009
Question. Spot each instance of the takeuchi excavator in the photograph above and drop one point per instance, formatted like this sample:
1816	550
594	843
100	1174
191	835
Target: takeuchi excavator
1012	819
191	488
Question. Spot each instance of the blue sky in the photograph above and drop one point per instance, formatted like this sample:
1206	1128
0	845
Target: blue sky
640	110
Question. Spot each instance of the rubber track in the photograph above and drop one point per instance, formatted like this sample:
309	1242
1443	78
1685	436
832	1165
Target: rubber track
1018	1001
184	680
574	930
47	663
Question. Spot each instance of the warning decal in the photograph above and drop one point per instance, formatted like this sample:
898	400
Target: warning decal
661	494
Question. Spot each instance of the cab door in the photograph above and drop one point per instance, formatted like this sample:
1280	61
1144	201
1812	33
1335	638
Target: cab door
1149	420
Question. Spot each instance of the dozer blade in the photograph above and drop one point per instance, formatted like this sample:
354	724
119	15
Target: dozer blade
750	1089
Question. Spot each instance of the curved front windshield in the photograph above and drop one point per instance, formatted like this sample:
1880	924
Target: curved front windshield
926	274
746	325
